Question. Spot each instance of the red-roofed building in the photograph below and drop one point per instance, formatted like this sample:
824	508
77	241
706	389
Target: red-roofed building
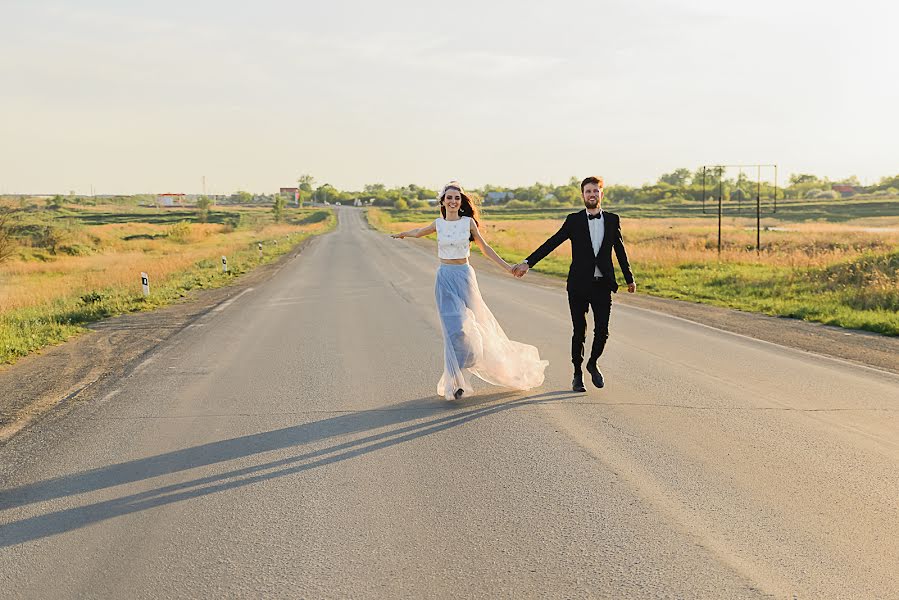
844	190
169	199
293	193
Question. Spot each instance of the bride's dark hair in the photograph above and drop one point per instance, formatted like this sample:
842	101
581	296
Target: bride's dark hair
467	208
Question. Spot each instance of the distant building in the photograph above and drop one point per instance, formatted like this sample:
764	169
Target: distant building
169	199
496	197
845	190
293	193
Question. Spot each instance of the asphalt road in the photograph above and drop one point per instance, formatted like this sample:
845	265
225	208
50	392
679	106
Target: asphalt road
290	444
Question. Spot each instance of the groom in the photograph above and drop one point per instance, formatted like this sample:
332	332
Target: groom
591	278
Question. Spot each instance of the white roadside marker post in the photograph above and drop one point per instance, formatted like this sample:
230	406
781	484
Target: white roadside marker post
224	264
145	284
260	249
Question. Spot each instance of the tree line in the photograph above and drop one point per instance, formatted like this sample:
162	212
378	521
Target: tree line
679	186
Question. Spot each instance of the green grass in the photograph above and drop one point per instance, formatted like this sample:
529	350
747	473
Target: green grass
802	294
822	295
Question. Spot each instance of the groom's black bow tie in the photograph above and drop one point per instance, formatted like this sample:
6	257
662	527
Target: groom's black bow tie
596	216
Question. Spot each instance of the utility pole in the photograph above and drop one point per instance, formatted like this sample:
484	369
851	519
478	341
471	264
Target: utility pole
720	199
703	190
775	188
758	212
719	170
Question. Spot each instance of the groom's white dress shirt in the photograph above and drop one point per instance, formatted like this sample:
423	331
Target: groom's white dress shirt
597	233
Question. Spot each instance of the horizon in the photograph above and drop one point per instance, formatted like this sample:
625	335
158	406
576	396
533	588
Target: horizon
729	177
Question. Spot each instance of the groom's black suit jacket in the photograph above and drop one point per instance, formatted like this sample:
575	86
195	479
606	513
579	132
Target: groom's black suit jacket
583	261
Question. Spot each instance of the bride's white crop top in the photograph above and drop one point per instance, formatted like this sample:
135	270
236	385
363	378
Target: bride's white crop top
452	238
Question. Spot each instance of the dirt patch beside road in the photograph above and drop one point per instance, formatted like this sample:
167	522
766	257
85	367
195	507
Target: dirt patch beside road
57	377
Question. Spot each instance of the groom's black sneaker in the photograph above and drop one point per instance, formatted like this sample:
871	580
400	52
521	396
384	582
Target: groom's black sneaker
458	393
577	384
596	376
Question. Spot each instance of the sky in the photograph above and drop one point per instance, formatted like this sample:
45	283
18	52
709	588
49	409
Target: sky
123	97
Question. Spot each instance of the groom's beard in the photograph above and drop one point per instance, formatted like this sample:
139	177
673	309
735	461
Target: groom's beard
591	202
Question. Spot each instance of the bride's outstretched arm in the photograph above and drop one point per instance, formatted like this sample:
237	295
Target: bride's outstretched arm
420	232
486	249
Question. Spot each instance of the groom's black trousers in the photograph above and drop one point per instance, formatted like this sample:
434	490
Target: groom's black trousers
598	296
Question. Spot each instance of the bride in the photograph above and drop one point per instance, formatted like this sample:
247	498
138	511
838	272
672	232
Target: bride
472	338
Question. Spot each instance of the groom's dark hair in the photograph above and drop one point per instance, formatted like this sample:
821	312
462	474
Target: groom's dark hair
597	180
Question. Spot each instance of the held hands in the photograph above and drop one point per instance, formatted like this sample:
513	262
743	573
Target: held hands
522	268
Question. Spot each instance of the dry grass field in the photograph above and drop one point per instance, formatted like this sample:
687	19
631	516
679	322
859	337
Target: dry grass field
842	273
123	251
84	264
678	241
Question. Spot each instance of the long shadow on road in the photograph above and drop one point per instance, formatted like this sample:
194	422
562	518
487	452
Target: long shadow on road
40	526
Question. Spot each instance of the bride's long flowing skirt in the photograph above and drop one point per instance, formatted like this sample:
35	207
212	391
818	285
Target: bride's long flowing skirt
473	339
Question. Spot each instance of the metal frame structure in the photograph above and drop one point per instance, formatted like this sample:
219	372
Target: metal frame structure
758	197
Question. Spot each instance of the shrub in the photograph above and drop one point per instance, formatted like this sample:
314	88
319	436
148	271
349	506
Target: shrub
76	250
232	222
519	204
7	243
203	204
179	232
48	237
863	271
278	208
92	298
315	217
